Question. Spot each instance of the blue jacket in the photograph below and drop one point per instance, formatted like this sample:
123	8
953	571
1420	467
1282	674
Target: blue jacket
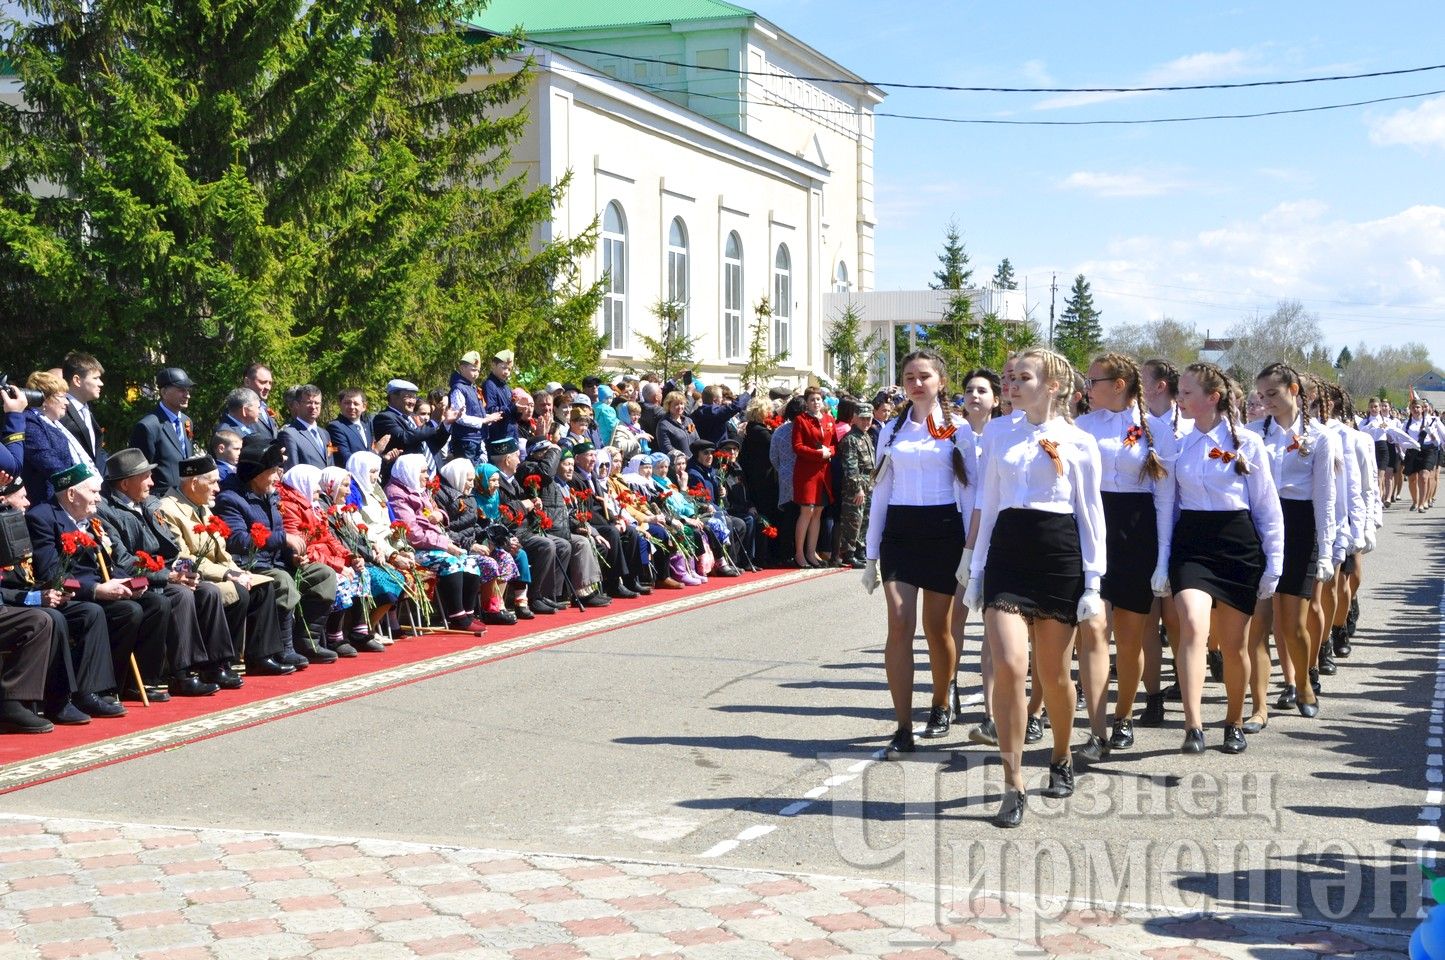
46	451
349	438
239	507
498	396
464	396
711	419
406	436
155	437
12	444
46	523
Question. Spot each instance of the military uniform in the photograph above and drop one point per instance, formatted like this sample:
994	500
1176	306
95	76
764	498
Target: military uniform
855	455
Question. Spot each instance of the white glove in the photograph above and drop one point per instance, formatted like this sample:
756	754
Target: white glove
1090	605
1266	587
870	575
1159	582
1371	539
971	594
1324	570
964	564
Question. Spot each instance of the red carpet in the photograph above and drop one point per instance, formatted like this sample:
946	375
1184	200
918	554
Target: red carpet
17	748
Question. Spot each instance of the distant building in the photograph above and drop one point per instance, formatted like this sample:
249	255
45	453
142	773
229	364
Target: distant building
1215	351
718	175
1430	386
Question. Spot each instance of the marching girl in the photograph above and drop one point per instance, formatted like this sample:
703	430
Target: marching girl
1364	515
1349	507
923	490
1040	501
1300	454
1138	516
1388	439
1227	546
981	392
1415	467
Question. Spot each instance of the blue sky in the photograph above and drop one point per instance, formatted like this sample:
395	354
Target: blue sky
1205	222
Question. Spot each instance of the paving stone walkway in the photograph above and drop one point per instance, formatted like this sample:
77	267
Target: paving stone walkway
92	889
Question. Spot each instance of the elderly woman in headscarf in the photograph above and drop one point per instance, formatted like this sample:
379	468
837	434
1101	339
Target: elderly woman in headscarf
487	497
345	630
632	487
345	514
470	530
682	522
727	531
458	572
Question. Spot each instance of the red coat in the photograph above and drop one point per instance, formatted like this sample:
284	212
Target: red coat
298	516
811	480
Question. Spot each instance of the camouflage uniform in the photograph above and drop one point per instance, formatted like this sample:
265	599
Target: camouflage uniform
855	451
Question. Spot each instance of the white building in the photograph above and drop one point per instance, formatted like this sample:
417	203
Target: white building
720	177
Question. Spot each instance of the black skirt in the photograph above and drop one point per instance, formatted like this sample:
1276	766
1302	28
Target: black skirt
922	546
1218	552
1382	454
1132	541
1394	457
1296	576
1413	462
1429	457
1035	567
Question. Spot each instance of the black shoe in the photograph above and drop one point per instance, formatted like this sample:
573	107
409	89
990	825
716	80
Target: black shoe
1163	637
1310	710
95	706
189	686
499	618
319	655
857	563
270	667
222	677
902	742
1233	739
620	592
369	645
1315	680
523	612
637	586
343	649
1287	698
69	715
1011	810
1193	741
1153	715
937	725
726	570
293	659
543	606
955	699
1351	620
1061	780
596	599
1034	731
1093	749
1215	660
985	733
1122	737
154	694
1327	655
15	718
1172	693
1255	726
1342	642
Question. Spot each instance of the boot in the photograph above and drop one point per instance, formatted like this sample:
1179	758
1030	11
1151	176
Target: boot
310	640
680	571
1153	715
695	570
289	655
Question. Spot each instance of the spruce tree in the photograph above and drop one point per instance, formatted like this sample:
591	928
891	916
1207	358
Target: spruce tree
671	351
323	187
1078	334
1003	277
853	353
761	361
954	273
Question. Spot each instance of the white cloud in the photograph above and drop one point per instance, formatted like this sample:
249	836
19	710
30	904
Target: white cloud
1037	73
1374	280
1422	126
1120	184
1202	67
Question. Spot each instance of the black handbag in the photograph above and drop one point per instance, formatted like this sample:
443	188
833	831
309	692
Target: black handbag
14	537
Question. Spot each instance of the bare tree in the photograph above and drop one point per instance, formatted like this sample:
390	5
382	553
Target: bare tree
1165	337
1290	334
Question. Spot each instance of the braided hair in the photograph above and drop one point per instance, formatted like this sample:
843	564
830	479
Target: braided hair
1119	366
1159	368
1212	379
1287	377
1056	367
933	357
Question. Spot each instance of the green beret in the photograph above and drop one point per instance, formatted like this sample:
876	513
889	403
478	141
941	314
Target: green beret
71	475
566	454
502	447
582	446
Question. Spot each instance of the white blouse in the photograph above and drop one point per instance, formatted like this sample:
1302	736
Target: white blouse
1205	479
1022	476
1302	464
919	473
1171	421
1364	485
1123	451
1349	500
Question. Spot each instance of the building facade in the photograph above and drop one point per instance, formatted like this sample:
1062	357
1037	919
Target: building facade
719	177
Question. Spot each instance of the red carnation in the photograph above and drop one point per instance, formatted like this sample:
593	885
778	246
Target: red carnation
398	525
219	527
361	528
349	508
260	533
546	522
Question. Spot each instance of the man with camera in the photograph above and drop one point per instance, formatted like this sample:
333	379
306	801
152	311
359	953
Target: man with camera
13	404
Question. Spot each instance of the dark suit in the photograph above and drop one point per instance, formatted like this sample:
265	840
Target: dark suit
80	658
305	445
266	425
91	445
46	451
136	626
228	422
406	436
549	556
156	438
349	437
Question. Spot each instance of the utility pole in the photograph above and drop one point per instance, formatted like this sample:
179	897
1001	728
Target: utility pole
1053	292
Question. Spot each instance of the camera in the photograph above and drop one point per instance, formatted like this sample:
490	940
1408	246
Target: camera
32	397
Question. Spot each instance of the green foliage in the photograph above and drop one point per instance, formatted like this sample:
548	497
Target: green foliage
671	352
320	186
1343	360
854	355
1003	277
1079	334
954	273
955	334
761	361
998	338
1165	337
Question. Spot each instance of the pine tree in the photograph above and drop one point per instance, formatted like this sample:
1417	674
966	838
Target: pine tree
314	185
1343	360
761	361
998	338
854	355
1078	334
671	352
1003	277
954	273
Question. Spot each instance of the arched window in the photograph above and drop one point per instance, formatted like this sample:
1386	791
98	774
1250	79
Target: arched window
733	296
614	270
840	279
677	268
782	301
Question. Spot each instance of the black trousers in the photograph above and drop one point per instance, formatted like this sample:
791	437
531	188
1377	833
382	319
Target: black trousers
26	639
255	616
621	553
199	633
139	626
80	656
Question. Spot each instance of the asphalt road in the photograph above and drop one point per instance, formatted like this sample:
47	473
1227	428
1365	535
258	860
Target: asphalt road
743	734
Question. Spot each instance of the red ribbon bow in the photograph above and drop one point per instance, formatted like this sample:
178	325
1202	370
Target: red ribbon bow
1218	454
1132	435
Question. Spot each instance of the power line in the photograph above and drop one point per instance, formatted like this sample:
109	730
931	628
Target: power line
960	89
1236	293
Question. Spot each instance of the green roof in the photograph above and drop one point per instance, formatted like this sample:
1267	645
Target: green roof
552	16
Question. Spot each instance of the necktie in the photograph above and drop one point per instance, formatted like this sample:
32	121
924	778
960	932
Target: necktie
180	434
